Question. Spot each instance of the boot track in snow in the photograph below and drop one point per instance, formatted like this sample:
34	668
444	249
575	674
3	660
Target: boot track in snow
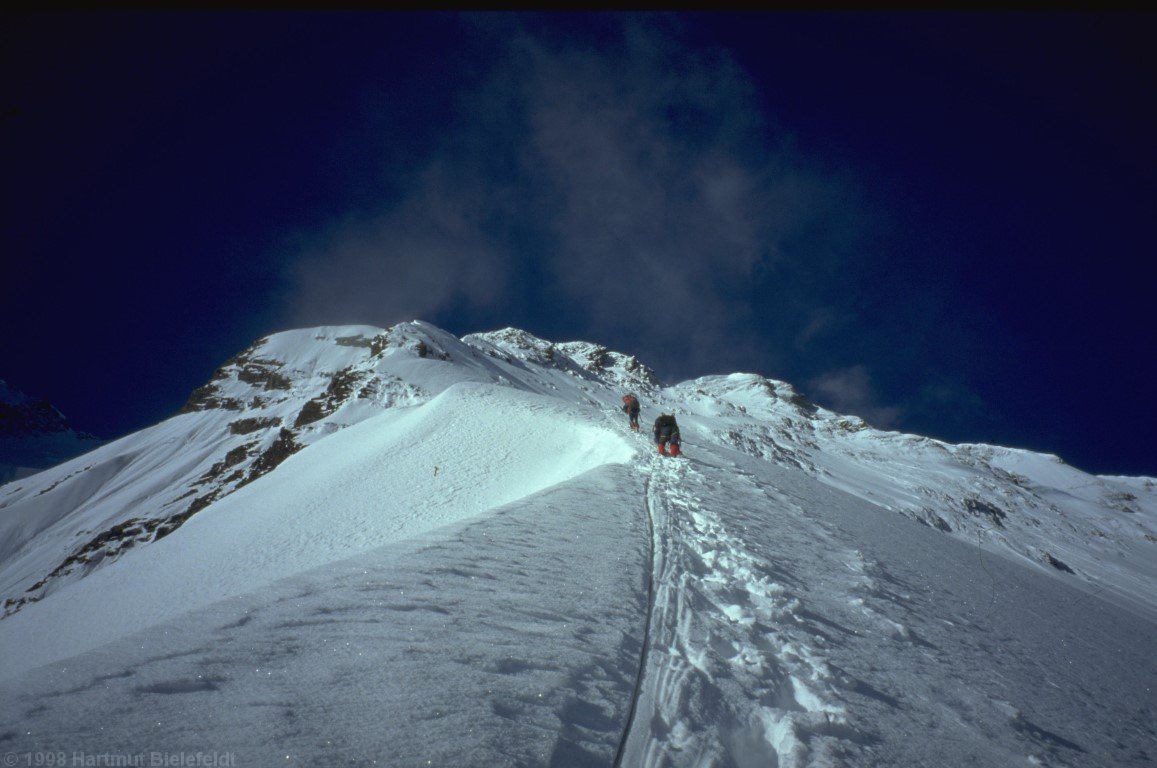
721	672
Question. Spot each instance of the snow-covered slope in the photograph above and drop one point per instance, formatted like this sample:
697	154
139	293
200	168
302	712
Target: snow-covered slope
360	545
283	394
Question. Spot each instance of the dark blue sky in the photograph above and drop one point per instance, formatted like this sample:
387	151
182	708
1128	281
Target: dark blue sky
942	222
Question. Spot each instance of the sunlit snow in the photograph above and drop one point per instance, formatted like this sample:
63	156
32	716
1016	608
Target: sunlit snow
364	546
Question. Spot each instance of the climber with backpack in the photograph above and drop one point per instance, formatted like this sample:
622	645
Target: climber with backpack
631	408
667	433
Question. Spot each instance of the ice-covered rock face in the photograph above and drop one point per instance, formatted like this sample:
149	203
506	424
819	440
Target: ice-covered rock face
613	367
749	393
599	362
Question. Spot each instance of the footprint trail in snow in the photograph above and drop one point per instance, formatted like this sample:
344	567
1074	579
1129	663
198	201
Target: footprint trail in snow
730	676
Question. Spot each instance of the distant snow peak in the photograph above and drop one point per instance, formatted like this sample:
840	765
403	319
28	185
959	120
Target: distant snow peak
23	416
35	435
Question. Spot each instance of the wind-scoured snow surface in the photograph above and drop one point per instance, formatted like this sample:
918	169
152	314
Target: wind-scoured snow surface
365	546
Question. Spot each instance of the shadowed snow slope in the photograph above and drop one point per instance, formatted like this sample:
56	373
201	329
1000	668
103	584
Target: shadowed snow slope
364	546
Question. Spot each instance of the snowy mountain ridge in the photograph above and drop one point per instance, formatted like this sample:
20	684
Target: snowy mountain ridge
289	390
351	450
283	393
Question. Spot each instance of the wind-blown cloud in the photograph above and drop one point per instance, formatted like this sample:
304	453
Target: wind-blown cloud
850	390
638	181
429	251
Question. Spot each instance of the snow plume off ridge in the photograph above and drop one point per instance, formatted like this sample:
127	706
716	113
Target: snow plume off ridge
363	546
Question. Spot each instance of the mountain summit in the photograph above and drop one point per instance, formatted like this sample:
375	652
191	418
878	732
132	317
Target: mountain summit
357	545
